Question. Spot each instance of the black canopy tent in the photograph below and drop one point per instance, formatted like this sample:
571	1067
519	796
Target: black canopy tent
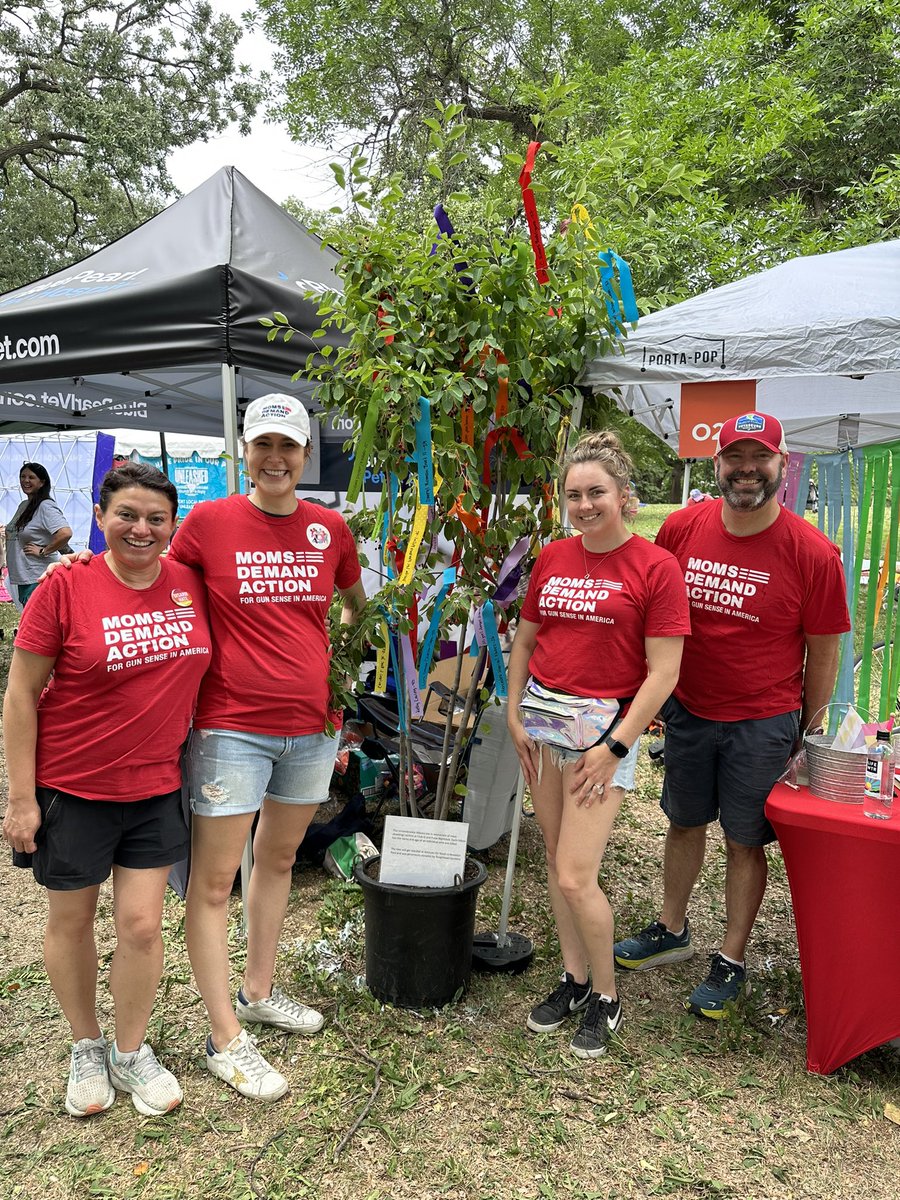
160	330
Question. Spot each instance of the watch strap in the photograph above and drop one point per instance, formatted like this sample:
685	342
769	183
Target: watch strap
619	749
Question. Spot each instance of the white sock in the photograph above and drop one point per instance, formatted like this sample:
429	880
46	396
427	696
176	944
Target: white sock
735	962
676	932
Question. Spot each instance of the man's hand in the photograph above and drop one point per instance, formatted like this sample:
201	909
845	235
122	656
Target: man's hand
66	560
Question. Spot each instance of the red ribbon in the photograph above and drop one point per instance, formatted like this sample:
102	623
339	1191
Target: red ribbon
531	214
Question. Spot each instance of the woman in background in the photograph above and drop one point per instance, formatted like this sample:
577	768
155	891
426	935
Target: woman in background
35	533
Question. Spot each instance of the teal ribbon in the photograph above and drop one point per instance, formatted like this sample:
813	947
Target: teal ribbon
423	454
426	651
613	265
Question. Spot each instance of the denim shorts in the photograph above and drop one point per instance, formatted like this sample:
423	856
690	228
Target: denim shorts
624	776
724	769
229	772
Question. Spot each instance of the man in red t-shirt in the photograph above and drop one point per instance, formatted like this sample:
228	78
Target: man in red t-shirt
768	607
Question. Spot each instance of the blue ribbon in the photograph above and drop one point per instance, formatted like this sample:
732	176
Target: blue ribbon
613	265
426	652
423	453
495	650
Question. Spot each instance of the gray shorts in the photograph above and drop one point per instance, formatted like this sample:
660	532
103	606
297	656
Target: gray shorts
724	770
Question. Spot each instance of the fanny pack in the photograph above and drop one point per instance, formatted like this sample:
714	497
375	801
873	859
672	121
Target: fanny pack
565	721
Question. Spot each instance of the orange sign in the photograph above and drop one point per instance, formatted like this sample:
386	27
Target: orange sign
705	407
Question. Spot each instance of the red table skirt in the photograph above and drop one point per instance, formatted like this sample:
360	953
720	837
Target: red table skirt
844	873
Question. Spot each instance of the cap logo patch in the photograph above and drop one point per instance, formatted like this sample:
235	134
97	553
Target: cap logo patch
750	423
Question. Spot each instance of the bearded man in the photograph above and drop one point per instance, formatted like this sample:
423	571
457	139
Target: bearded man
768	606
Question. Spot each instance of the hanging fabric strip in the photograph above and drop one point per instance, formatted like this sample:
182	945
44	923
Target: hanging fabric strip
531	214
393	491
510	574
411	553
381	661
363	449
434	625
424	453
411	677
876	471
614	266
835	492
484	623
891	660
467	425
402	722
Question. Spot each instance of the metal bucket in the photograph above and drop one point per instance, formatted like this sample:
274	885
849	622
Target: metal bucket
834	774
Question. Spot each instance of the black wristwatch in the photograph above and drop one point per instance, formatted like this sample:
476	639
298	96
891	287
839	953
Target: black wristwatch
617	748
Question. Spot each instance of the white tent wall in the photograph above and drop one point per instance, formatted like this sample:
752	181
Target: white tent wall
69	459
820	334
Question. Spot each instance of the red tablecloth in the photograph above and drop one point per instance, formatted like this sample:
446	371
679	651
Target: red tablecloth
844	872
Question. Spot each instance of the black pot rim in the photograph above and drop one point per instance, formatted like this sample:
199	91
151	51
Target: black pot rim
409	889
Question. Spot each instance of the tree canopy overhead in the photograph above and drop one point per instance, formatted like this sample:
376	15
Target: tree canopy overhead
707	139
94	95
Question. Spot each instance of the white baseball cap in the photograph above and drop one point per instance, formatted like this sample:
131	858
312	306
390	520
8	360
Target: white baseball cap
277	413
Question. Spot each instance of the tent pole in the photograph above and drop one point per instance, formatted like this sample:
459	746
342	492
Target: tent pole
686	482
229	420
163	454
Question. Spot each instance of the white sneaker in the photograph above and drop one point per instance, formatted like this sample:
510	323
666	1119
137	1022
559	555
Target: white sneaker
281	1011
89	1090
154	1090
242	1066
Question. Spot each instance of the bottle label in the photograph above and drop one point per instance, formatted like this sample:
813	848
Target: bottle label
872	786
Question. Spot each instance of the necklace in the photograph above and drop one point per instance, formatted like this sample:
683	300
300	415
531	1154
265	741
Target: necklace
588	570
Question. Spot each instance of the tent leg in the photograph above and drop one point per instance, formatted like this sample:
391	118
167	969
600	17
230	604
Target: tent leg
686	482
229	420
505	951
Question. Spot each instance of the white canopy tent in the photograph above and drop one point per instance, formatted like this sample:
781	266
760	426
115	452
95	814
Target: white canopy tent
820	335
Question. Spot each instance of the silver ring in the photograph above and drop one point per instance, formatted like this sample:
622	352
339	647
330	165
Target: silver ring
598	787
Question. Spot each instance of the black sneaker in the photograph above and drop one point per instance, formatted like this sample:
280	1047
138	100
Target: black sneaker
568	998
601	1019
722	987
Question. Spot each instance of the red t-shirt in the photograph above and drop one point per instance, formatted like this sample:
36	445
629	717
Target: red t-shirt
595	610
270	581
114	715
753	601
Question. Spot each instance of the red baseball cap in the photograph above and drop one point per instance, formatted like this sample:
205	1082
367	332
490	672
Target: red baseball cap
757	427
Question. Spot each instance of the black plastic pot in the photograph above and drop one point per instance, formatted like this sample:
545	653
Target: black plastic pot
418	939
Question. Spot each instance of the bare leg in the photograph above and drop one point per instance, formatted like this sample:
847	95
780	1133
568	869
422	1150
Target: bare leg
137	963
746	875
217	844
70	956
684	854
280	831
582	842
547	797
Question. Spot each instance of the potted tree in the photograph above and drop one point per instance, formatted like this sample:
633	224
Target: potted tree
458	367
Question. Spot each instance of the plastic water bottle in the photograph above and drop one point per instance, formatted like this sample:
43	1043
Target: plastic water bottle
878	794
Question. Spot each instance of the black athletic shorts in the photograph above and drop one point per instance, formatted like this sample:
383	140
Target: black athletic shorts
79	841
724	770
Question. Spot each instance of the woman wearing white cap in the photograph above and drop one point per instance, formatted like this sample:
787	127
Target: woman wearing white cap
271	563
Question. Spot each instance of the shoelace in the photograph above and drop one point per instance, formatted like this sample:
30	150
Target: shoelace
145	1064
279	1000
250	1060
597	1013
89	1061
720	971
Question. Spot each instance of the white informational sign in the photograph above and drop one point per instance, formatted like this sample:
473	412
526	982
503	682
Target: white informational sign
423	853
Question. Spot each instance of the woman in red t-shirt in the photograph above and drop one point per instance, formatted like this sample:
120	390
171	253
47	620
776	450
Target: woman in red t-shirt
102	687
604	617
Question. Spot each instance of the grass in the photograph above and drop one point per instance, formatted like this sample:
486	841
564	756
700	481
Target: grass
462	1103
